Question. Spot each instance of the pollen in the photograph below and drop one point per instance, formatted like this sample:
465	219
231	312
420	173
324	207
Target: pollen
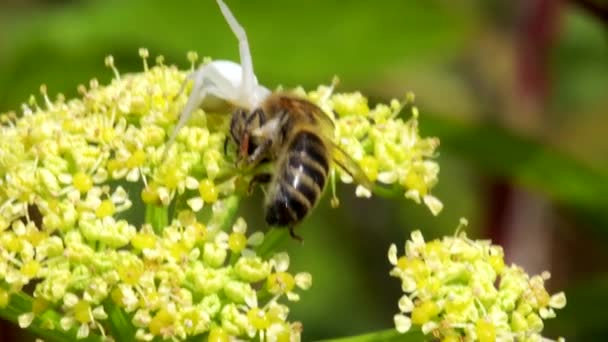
237	242
486	332
218	335
30	269
258	319
162	320
208	191
82	312
137	159
82	182
280	282
106	208
143	240
150	195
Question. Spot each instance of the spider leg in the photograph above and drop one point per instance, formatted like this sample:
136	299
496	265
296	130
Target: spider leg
213	79
248	81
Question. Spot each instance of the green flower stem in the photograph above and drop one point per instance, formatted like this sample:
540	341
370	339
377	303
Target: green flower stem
157	216
21	303
120	326
275	238
388	191
226	219
385	336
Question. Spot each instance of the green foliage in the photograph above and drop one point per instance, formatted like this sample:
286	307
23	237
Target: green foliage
65	45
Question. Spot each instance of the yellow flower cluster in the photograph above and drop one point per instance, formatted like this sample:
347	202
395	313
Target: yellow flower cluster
76	176
460	289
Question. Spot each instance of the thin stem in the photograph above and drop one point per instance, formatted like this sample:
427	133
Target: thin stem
120	326
158	217
225	219
275	238
384	335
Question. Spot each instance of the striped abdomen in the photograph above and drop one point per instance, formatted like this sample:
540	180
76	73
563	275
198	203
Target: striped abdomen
299	180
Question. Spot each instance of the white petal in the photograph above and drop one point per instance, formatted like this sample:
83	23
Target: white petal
405	304
240	226
362	191
303	280
195	203
191	183
65	178
100	176
417	238
120	195
558	300
132	176
281	262
66	323
83	331
408	284
70	299
251	299
346	178
99	313
414	195
429	326
293	297
25	319
402	323
546	313
256	239
248	253
392	254
387	177
164	195
433	203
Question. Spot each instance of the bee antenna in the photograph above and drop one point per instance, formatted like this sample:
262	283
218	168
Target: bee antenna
248	77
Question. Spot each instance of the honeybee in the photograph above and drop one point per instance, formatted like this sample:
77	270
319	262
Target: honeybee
297	136
291	133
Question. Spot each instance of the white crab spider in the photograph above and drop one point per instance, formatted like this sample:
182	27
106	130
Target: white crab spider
224	80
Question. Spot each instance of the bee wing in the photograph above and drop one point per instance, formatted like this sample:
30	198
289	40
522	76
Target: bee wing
339	156
348	164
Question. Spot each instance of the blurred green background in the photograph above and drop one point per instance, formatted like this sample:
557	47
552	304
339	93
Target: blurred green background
517	91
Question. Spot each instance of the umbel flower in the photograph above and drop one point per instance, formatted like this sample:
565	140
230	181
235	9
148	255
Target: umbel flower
106	231
459	289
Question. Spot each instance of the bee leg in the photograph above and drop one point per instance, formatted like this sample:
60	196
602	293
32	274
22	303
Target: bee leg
261	178
226	146
293	234
260	152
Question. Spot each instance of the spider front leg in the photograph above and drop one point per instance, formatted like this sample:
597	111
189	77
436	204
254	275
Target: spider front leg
212	80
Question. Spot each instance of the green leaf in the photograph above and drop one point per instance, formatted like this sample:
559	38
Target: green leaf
527	163
120	325
384	336
392	34
584	317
